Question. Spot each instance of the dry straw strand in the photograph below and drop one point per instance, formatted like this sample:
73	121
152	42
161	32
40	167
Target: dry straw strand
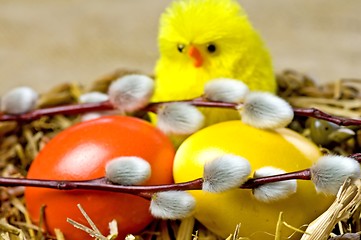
347	201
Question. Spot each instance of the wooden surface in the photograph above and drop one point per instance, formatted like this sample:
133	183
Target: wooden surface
43	43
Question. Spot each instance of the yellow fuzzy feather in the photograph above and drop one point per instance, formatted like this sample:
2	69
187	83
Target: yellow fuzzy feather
239	52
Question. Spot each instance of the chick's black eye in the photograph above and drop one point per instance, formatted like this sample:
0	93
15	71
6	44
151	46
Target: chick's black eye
211	48
180	48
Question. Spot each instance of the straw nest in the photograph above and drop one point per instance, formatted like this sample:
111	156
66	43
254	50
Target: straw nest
19	144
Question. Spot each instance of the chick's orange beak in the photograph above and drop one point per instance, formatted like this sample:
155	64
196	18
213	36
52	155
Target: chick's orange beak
194	53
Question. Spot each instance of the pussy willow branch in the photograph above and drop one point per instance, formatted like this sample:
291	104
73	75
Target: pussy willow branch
152	107
301	175
66	110
197	102
102	184
315	113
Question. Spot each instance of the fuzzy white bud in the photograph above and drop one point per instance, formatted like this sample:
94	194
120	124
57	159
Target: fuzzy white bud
270	192
131	93
128	170
179	118
266	111
225	90
225	172
19	100
172	205
90	116
93	97
329	173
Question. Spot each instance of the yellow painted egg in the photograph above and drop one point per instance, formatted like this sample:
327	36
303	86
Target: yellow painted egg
282	148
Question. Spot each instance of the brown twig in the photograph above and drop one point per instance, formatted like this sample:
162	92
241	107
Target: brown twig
356	156
315	113
152	107
301	175
197	102
66	110
102	184
255	182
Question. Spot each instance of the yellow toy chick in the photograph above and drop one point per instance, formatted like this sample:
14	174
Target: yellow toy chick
200	40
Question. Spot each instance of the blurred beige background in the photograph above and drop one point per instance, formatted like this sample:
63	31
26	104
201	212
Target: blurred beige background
43	43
